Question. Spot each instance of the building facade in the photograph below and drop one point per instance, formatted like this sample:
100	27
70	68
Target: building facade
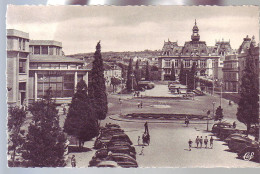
206	57
39	67
230	73
17	67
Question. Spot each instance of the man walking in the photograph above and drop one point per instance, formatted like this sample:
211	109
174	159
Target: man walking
190	144
211	142
197	141
201	140
206	142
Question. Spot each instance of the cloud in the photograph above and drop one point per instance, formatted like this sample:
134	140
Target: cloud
79	28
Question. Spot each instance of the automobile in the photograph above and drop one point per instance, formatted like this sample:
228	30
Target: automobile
250	153
226	131
100	142
145	85
234	135
124	161
118	143
107	163
216	127
119	146
110	125
123	149
121	137
236	144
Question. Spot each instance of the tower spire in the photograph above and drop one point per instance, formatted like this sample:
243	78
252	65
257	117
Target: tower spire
195	22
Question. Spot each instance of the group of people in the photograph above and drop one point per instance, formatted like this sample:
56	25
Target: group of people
199	142
140	105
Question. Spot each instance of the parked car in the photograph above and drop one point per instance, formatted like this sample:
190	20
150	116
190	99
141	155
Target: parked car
145	85
123	149
124	161
250	153
216	127
234	135
121	137
110	125
237	144
226	131
111	164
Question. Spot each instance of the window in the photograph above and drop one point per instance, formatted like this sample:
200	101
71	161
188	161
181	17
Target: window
22	66
57	51
23	44
55	66
33	66
51	50
63	66
176	63
167	63
44	49
22	86
186	63
36	50
20	43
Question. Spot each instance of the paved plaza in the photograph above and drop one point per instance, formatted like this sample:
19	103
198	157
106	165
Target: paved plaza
169	140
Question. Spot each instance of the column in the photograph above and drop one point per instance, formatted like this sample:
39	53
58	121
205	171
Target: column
35	86
85	78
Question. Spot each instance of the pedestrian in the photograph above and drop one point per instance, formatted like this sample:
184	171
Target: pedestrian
138	105
211	142
197	141
234	125
73	161
146	128
187	121
142	151
141	104
64	110
206	142
190	144
138	141
201	140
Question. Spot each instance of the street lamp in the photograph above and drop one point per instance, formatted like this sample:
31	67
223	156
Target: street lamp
221	85
213	104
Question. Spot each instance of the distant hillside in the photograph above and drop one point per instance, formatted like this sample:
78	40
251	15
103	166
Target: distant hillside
114	56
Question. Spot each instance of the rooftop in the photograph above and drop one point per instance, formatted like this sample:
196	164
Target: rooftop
17	33
46	42
54	58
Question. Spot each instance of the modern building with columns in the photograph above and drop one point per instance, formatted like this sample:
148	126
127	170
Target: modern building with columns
45	68
206	57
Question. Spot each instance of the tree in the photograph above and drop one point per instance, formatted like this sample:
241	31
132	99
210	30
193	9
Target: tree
137	72
115	82
182	75
16	118
173	78
45	142
219	114
191	77
98	85
130	82
147	72
248	106
81	121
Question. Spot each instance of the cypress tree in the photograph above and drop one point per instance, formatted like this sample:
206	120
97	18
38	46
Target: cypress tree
137	72
98	85
248	106
173	78
147	72
81	121
130	83
219	114
45	141
181	75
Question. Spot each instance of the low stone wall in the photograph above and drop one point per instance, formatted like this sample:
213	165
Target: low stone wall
165	116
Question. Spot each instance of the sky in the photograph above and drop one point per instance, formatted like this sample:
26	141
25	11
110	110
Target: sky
133	28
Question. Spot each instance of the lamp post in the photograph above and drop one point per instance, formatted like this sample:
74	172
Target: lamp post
213	104
221	84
